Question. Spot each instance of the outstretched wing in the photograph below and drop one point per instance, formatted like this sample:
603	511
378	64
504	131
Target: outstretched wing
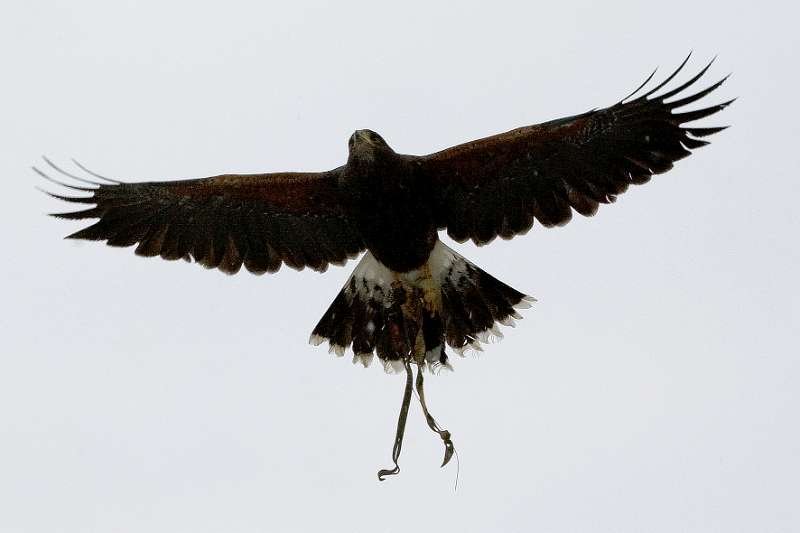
498	185
259	220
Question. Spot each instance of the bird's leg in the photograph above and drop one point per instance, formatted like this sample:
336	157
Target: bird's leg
443	433
401	424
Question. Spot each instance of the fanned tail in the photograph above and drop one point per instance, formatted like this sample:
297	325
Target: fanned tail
452	302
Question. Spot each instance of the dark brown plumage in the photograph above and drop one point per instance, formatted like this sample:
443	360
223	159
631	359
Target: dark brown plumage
478	190
410	295
259	220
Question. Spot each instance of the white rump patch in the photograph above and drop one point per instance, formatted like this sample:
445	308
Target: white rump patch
373	281
371	286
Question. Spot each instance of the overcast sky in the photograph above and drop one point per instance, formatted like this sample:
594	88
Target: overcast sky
654	387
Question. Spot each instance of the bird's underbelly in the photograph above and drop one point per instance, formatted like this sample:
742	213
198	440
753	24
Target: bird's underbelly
402	252
400	236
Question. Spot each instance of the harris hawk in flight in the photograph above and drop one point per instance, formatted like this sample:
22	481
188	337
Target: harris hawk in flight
410	296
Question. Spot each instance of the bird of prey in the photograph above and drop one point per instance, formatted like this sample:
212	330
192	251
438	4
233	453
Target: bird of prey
410	296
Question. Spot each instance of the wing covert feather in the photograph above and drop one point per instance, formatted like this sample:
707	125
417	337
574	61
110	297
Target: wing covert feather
500	184
257	220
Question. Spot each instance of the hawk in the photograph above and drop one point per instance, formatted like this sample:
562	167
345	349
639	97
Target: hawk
410	296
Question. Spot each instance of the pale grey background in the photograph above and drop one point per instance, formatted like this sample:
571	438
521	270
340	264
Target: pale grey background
653	388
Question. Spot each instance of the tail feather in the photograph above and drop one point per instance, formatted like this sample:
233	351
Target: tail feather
448	301
474	303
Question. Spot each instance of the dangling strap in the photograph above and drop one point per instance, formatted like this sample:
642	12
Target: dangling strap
401	424
443	433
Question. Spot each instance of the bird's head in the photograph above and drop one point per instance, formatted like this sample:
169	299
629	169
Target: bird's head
366	145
